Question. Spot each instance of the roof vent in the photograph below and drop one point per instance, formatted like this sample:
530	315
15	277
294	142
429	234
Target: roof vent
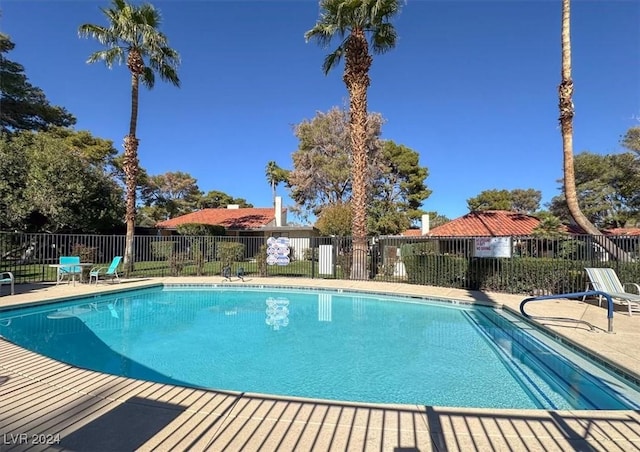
233	206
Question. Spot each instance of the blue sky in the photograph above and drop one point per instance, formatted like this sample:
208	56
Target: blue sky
471	86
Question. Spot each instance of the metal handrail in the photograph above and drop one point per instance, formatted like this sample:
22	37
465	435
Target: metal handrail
574	295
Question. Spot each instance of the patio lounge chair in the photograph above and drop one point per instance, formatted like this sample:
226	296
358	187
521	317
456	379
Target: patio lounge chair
68	270
606	280
110	271
7	278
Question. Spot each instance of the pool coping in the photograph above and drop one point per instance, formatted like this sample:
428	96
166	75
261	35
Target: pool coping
435	427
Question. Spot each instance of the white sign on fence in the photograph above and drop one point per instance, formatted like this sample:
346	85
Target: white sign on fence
278	251
493	247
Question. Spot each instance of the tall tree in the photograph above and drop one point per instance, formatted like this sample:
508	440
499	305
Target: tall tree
133	35
59	180
215	199
608	190
565	94
320	177
24	106
174	193
525	201
321	173
275	175
352	20
397	191
516	200
631	139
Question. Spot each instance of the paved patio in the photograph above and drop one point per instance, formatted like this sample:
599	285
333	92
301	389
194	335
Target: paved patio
42	400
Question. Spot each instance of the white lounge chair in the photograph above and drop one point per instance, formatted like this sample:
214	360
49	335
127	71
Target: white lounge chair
7	278
606	280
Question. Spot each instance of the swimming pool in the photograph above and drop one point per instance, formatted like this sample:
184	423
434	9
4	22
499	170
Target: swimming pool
319	344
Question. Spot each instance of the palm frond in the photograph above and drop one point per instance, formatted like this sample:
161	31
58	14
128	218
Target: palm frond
108	56
322	34
149	15
341	17
383	38
148	77
101	34
135	28
333	59
382	10
165	63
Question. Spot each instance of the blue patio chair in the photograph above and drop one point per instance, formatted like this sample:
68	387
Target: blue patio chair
111	271
68	270
7	278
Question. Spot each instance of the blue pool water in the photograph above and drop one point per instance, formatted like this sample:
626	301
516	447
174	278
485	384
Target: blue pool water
319	344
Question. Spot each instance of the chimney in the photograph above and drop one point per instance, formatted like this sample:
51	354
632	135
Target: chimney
281	217
424	228
233	206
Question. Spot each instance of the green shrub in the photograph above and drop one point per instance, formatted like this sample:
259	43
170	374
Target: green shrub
163	249
198	256
177	262
344	261
524	275
229	252
261	260
310	254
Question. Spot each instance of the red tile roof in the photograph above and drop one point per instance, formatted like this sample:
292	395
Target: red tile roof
622	231
247	218
487	223
484	223
412	233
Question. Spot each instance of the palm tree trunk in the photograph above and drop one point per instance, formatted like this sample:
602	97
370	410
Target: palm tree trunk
131	165
565	94
356	77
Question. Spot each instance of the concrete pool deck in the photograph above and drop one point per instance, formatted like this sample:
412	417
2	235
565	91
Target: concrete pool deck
66	408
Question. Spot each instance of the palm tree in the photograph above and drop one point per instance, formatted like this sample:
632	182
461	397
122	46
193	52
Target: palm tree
565	93
133	35
352	21
275	175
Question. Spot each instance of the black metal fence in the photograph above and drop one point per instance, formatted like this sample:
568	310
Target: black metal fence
504	264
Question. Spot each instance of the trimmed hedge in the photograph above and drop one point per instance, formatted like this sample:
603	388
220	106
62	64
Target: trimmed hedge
525	275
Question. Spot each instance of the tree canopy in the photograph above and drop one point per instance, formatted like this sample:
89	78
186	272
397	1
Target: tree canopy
321	172
608	190
397	189
631	139
335	220
172	193
275	176
215	199
58	181
24	106
517	200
